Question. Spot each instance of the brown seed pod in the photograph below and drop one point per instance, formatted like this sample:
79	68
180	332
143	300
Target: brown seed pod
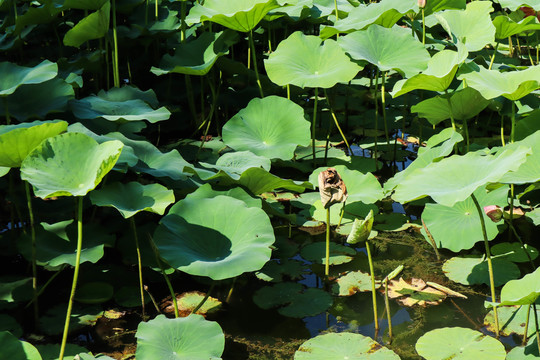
331	187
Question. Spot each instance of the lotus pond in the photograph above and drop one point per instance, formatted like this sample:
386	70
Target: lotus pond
269	179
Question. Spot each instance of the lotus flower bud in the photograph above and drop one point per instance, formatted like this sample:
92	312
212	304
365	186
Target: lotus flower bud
421	4
331	188
494	212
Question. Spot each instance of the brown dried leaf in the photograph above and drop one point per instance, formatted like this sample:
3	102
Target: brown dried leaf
331	187
417	292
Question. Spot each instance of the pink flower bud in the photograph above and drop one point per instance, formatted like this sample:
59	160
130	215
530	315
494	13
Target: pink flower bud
494	212
421	4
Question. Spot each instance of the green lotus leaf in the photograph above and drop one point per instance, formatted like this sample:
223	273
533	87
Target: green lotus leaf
167	21
93	26
3	170
439	180
534	216
459	343
95	292
58	243
434	6
514	252
474	270
83	4
126	103
235	163
188	338
70	164
188	301
388	49
205	191
307	61
528	352
198	56
471	26
239	15
220	237
523	291
339	254
281	293
87	356
529	171
351	283
513	5
38	100
513	85
14	289
506	27
385	13
343	346
512	320
15	349
458	227
52	322
527	125
271	127
464	104
437	147
134	197
12	76
275	272
323	8
51	351
361	229
440	72
17	141
8	323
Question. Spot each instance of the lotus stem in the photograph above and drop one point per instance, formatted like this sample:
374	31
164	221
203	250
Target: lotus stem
373	291
182	21
152	298
526	329
536	326
375	155
513	119
342	212
327	258
383	101
490	264
337	123
75	277
313	122
42	289
431	240
34	267
169	285
387	305
288	92
229	294
502	130
252	47
156	10
139	263
423	28
493	57
116	73
206	296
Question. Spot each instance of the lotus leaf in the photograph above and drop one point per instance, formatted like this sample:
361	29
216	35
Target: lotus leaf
15	349
471	26
239	15
198	56
305	61
95	292
464	104
188	301
352	283
339	254
50	351
434	6
513	85
8	323
13	76
275	271
278	294
70	164
528	352
52	322
513	5
439	179
474	270
322	8
523	291
235	163
459	343
506	27
271	127
387	49
17	141
124	104
219	238
361	229
133	197
14	289
205	191
513	320
458	227
93	26
343	346
83	4
189	338
439	74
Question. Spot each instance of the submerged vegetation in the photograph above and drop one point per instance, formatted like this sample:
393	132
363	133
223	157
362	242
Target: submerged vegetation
159	166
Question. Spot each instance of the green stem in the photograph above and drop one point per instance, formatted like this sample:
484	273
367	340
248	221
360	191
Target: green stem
341	213
526	329
490	264
493	57
156	10
423	28
183	21
33	237
337	123
252	47
387	305
375	155
327	258
313	122
373	291
194	311
116	73
513	119
383	101
169	285
502	130
75	277
42	289
139	263
535	313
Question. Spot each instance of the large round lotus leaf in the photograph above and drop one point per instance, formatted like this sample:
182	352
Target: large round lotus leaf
343	346
70	164
459	344
220	238
529	171
12	76
133	197
239	15
464	104
93	26
475	169
95	292
17	141
514	252
126	103
271	127
512	320
38	100
513	85
439	74
235	163
506	27
305	61
189	338
14	349
523	291
339	254
387	49
474	270
198	56
458	227
471	26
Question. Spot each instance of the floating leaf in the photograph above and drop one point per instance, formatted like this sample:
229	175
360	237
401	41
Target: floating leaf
339	254
343	346
352	283
70	164
189	338
417	292
51	351
219	238
474	270
12	76
52	322
459	343
361	229
305	61
93	26
275	271
528	352
512	320
271	127
387	49
188	301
